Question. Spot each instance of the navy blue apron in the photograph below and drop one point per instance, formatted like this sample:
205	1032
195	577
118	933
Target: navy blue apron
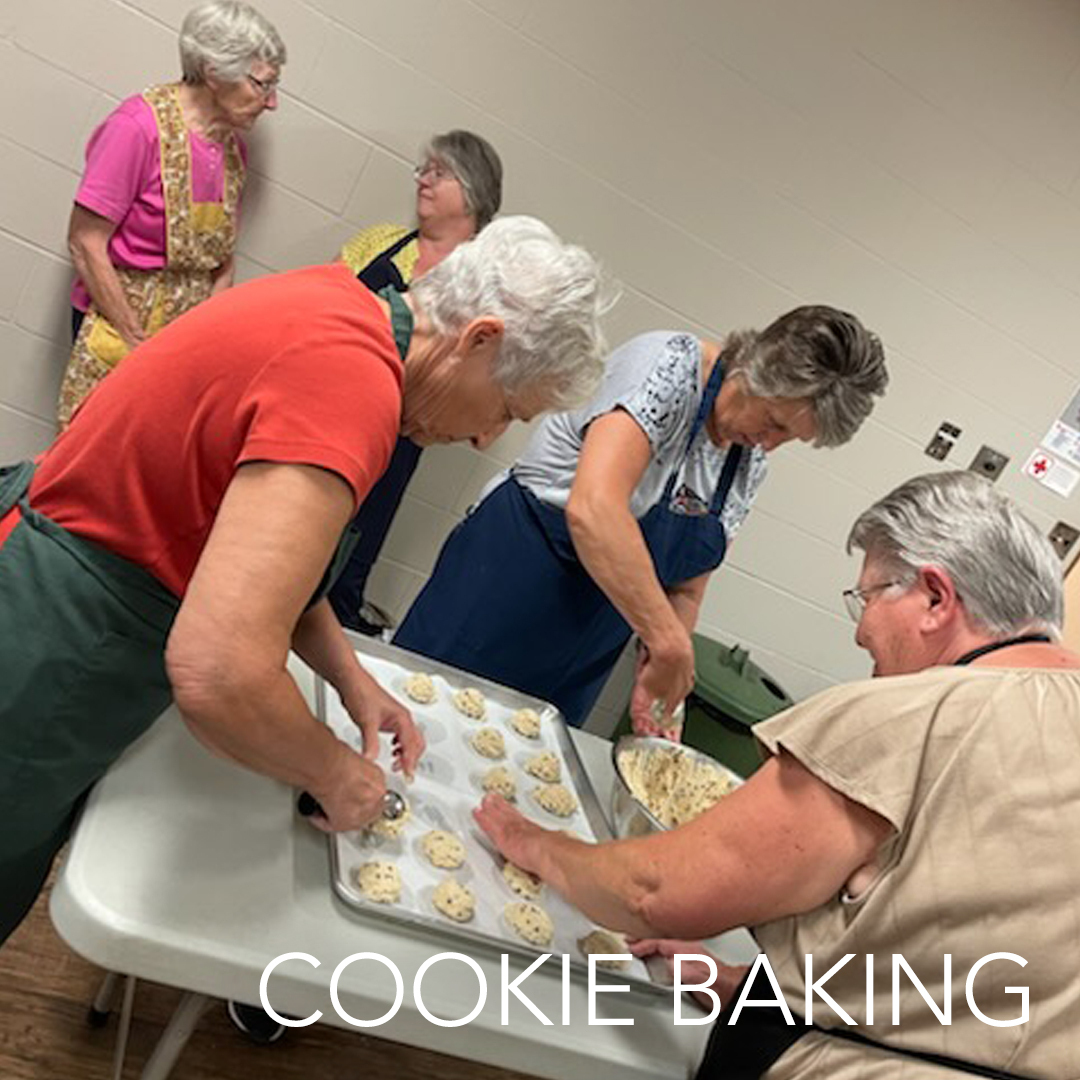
376	514
509	599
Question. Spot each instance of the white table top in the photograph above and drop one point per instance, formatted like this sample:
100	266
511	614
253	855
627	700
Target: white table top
193	872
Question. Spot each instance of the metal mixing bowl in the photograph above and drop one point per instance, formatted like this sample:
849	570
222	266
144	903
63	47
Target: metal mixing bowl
629	816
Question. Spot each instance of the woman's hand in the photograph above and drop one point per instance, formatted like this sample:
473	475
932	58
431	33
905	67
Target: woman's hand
373	710
517	838
352	796
665	676
696	972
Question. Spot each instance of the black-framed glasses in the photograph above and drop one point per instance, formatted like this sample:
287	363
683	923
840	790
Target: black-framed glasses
855	599
266	87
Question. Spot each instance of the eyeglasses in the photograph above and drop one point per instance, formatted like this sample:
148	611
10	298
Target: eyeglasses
855	599
266	87
433	169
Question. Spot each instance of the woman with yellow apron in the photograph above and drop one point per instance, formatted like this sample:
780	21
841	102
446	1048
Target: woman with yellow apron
153	229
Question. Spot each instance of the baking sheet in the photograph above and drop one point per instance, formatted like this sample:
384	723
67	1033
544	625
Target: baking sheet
446	788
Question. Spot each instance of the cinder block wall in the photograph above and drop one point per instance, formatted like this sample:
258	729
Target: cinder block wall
916	163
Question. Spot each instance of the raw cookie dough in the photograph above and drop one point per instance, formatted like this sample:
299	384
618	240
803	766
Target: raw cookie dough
674	786
443	849
526	722
555	799
470	702
454	900
501	781
380	882
390	829
605	941
420	688
489	742
544	766
521	881
530	921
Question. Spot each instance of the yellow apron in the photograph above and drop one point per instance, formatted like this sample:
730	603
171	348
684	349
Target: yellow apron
200	239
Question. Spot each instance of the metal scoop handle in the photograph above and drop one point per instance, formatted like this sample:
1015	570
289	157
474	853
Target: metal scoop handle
392	808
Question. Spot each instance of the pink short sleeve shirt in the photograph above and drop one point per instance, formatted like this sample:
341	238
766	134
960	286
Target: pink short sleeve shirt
122	182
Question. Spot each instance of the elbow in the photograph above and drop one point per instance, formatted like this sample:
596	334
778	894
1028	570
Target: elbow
584	513
209	685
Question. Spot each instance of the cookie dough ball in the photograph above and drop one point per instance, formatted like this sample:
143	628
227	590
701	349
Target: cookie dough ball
526	722
521	881
420	688
555	799
454	900
489	742
605	941
544	766
501	781
530	922
391	828
470	702
379	882
443	849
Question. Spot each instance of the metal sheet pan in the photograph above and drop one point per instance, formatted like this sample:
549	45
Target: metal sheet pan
445	790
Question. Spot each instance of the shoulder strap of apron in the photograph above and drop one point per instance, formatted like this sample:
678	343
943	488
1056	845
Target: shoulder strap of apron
734	454
401	318
381	272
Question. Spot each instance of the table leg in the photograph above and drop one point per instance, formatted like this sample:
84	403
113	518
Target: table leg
187	1014
124	1029
98	1016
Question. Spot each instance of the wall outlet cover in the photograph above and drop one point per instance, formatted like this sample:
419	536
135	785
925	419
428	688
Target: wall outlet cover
989	462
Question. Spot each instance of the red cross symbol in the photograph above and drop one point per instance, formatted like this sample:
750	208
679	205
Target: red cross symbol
1039	466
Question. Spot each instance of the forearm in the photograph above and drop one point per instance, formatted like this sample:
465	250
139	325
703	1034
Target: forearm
613	884
685	599
321	643
610	545
102	282
264	724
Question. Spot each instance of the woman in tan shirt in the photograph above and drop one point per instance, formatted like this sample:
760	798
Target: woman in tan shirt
932	813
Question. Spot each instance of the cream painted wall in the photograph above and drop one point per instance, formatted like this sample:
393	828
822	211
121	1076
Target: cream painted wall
917	163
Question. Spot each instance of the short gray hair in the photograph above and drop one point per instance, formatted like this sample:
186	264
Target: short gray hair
475	165
814	352
227	37
548	294
1004	569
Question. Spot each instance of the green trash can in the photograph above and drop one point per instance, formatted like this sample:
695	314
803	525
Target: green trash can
731	694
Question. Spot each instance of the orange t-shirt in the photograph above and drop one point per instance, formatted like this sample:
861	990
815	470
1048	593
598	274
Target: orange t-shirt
298	367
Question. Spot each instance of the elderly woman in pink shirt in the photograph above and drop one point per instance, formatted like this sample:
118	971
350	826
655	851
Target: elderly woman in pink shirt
153	228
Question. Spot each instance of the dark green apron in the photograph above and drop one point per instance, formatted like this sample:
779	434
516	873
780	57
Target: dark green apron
82	673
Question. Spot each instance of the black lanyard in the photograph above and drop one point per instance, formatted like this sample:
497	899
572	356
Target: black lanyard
982	650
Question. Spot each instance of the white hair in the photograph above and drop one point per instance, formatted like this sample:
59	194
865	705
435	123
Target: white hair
548	294
226	37
1004	569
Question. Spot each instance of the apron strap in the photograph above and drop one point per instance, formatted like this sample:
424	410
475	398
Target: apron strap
708	397
401	319
381	272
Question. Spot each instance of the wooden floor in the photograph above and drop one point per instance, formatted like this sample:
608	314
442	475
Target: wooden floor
45	990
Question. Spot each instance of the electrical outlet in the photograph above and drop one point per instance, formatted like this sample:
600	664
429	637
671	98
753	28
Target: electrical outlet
1063	536
943	441
989	463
